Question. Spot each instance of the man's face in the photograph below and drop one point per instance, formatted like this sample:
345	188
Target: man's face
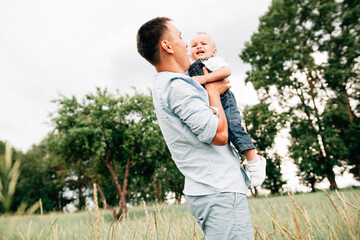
179	46
202	47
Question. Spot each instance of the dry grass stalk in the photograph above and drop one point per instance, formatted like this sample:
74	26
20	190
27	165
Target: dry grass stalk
91	221
194	232
41	207
348	214
332	202
22	237
332	230
29	229
90	230
257	233
129	231
288	233
345	215
350	204
52	225
176	233
318	224
277	225
118	221
270	234
358	225
303	214
274	212
297	225
97	214
348	217
168	228
155	221
148	219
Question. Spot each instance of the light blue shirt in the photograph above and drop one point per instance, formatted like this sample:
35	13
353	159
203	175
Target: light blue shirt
189	125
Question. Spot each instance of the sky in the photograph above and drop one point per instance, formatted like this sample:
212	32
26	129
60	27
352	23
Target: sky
70	47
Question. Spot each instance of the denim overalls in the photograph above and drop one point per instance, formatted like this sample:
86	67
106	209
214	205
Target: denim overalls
237	135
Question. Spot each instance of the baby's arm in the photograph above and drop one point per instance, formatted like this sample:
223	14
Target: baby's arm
218	74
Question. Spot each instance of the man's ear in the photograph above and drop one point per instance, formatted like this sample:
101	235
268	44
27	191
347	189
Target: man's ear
165	45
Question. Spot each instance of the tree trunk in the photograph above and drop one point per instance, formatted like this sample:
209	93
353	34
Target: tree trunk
331	177
103	199
121	190
348	107
355	158
58	201
109	165
124	192
312	184
81	195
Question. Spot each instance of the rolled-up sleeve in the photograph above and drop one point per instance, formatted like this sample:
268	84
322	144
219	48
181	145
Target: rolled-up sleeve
185	102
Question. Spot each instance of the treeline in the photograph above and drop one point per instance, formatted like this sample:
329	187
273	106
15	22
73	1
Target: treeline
107	140
305	68
305	60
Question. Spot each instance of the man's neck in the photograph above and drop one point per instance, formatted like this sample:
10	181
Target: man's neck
169	69
169	65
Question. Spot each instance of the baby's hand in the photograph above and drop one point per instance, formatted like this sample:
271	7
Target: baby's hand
200	79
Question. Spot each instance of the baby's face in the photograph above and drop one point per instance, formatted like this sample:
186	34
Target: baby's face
202	47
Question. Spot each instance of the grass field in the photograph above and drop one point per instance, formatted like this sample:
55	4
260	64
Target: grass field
302	216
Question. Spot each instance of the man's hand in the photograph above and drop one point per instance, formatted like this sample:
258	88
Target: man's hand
202	79
218	87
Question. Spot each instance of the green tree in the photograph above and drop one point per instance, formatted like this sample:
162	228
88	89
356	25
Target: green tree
304	149
284	68
42	177
114	142
339	37
263	125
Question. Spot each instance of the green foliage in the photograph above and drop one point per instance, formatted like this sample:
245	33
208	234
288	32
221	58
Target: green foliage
304	149
42	177
114	142
263	125
284	55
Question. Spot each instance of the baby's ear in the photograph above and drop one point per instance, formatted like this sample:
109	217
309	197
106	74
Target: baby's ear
214	51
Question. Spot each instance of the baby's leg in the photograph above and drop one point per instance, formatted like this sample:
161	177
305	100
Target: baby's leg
242	141
237	135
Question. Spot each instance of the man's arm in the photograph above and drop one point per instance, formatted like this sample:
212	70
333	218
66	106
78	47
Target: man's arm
214	90
216	75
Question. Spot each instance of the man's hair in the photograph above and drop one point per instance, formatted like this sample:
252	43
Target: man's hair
148	38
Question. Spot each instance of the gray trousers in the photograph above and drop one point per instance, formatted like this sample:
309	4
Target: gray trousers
222	216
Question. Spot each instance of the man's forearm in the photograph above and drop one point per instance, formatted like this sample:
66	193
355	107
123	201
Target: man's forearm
221	136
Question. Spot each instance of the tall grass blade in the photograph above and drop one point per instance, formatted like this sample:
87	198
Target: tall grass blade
41	207
97	214
51	227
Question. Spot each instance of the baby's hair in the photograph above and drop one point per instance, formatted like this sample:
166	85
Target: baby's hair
205	33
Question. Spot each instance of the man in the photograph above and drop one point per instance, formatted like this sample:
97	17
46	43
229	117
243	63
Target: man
194	126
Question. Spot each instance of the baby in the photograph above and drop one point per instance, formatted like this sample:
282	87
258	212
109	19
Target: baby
203	53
